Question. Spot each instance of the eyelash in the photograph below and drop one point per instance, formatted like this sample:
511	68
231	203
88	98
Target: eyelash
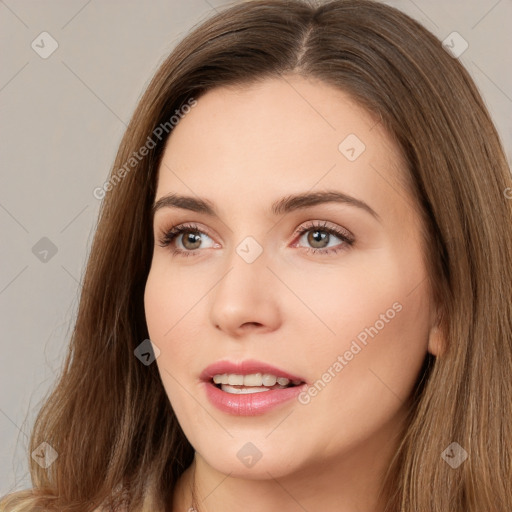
171	234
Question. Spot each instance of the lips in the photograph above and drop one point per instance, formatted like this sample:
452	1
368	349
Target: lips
247	367
239	400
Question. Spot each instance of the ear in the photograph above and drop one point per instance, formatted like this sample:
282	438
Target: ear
436	341
436	337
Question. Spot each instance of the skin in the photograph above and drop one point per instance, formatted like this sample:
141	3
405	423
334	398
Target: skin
242	149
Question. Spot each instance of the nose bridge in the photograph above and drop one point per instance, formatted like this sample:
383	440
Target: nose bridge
247	272
245	293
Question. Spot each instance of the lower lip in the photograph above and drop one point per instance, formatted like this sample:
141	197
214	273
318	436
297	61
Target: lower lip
250	404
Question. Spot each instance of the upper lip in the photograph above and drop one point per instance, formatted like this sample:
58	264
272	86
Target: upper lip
245	368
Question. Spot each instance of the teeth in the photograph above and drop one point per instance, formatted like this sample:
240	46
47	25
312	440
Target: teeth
219	379
235	380
269	380
242	391
253	379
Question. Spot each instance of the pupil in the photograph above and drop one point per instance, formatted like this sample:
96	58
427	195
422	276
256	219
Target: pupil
192	238
318	237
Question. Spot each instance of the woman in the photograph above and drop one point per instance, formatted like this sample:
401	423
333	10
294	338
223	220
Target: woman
315	235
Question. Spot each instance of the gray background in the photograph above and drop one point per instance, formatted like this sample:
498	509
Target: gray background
62	119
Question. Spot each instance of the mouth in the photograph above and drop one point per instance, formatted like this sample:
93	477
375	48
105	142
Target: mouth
249	388
239	384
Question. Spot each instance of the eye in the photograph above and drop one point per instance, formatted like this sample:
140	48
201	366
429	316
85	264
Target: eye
188	236
318	235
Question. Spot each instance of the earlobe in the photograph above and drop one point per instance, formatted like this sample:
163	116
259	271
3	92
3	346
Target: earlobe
436	338
436	342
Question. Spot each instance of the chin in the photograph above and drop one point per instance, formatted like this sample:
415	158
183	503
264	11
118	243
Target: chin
242	466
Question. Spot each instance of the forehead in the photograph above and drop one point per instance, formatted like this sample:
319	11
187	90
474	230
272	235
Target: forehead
275	137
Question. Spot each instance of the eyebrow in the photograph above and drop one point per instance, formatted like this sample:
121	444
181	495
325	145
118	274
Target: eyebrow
285	205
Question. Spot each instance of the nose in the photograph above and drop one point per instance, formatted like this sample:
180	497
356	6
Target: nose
246	298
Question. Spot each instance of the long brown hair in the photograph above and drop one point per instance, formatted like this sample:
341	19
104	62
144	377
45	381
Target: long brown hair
109	418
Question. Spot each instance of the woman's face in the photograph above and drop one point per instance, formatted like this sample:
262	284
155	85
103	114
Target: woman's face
331	292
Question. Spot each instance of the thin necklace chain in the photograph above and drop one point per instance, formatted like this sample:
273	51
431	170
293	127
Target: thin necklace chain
193	506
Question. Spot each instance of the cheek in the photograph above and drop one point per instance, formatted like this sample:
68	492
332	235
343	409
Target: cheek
368	360
170	297
175	319
372	310
340	301
161	309
157	301
374	370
